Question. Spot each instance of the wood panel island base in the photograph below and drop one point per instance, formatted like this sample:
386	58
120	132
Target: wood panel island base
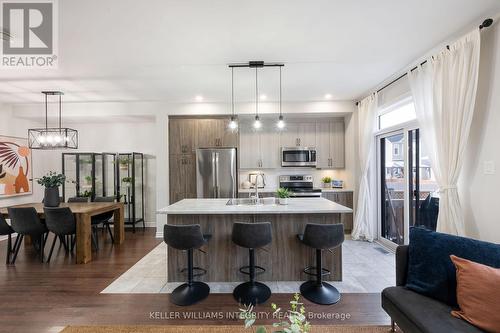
284	259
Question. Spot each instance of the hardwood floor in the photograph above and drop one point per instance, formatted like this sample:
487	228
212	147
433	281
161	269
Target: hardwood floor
40	297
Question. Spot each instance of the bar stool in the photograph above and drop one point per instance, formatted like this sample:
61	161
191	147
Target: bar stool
252	236
321	237
187	238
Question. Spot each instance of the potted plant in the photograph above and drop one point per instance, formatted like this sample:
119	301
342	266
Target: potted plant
283	195
86	194
127	180
51	182
293	321
123	162
88	180
327	182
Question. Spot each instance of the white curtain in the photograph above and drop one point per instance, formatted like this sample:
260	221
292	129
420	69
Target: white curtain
444	91
365	211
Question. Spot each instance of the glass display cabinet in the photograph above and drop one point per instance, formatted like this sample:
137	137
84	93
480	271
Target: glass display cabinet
89	175
130	187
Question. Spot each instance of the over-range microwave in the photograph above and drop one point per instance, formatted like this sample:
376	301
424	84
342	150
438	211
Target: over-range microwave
298	157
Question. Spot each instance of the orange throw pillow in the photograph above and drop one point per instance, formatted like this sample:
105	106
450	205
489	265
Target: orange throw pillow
478	294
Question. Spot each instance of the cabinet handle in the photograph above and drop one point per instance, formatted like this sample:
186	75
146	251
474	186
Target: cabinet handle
299	141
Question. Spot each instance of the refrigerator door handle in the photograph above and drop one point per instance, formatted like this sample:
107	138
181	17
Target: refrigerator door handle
214	177
217	189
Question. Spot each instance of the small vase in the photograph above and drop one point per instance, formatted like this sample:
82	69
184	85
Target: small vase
283	201
327	185
51	198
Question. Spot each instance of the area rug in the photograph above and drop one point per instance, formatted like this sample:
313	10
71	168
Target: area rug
214	329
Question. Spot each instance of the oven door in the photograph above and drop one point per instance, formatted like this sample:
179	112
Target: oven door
298	157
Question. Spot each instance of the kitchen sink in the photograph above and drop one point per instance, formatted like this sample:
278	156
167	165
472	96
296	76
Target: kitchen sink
251	201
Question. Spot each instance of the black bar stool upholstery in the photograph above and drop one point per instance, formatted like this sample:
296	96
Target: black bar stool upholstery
252	236
25	221
61	222
187	238
6	230
321	237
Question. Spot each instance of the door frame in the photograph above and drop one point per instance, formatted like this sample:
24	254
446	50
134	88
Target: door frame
403	128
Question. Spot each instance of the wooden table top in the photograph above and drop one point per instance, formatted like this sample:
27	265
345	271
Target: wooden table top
91	208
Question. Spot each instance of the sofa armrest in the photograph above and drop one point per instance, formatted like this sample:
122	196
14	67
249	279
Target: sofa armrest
401	264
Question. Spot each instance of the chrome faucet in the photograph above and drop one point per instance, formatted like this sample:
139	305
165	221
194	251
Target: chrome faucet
256	184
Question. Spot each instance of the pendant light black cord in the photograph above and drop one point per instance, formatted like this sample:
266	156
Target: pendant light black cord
46	114
256	94
60	113
280	95
232	93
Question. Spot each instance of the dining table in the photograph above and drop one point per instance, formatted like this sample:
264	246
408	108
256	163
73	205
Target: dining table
83	213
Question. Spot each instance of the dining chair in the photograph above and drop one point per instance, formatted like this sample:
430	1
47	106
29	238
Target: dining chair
61	222
78	199
6	230
25	222
102	220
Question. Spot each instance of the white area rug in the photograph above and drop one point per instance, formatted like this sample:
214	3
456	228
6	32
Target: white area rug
367	268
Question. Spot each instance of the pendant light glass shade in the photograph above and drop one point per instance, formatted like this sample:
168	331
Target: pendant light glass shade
257	124
52	137
281	123
233	123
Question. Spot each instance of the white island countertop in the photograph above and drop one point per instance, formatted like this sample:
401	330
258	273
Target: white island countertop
218	206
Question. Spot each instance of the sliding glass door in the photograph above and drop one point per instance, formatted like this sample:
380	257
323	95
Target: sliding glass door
392	167
424	201
407	188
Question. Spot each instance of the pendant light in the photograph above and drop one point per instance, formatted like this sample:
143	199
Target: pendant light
257	124
281	123
52	137
233	124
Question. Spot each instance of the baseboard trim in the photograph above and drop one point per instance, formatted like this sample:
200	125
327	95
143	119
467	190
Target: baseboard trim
147	224
159	234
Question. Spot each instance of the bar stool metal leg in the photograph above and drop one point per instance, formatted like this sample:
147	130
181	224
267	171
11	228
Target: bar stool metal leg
317	291
252	292
191	292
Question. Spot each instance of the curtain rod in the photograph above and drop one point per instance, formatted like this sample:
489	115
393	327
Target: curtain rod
486	23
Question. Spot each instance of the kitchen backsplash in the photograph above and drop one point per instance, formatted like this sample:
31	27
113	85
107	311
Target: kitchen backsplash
273	174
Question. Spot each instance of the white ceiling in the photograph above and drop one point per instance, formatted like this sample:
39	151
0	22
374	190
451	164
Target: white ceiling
129	50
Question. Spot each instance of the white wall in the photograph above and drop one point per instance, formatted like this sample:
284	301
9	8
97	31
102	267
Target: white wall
108	134
479	192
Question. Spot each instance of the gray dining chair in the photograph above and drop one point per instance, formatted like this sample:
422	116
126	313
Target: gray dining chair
25	222
61	222
6	230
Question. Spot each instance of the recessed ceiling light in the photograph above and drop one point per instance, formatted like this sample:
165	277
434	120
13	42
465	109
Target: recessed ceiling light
199	98
328	96
263	97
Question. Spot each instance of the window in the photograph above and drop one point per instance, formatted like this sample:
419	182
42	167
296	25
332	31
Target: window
397	113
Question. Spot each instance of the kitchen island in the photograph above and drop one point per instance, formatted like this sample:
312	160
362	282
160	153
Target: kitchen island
284	259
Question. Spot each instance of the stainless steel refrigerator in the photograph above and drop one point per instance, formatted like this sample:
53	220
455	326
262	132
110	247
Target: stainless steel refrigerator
216	175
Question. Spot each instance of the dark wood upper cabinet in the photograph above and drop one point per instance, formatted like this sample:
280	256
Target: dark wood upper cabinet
214	133
182	135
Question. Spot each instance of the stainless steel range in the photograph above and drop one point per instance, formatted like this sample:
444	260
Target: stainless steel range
300	186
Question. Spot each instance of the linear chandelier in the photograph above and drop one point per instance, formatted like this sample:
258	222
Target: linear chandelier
280	124
52	137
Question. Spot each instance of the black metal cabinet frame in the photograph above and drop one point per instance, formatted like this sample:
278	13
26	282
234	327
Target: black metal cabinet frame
133	215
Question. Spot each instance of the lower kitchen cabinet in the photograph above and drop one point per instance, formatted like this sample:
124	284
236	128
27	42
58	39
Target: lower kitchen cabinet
344	199
182	177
